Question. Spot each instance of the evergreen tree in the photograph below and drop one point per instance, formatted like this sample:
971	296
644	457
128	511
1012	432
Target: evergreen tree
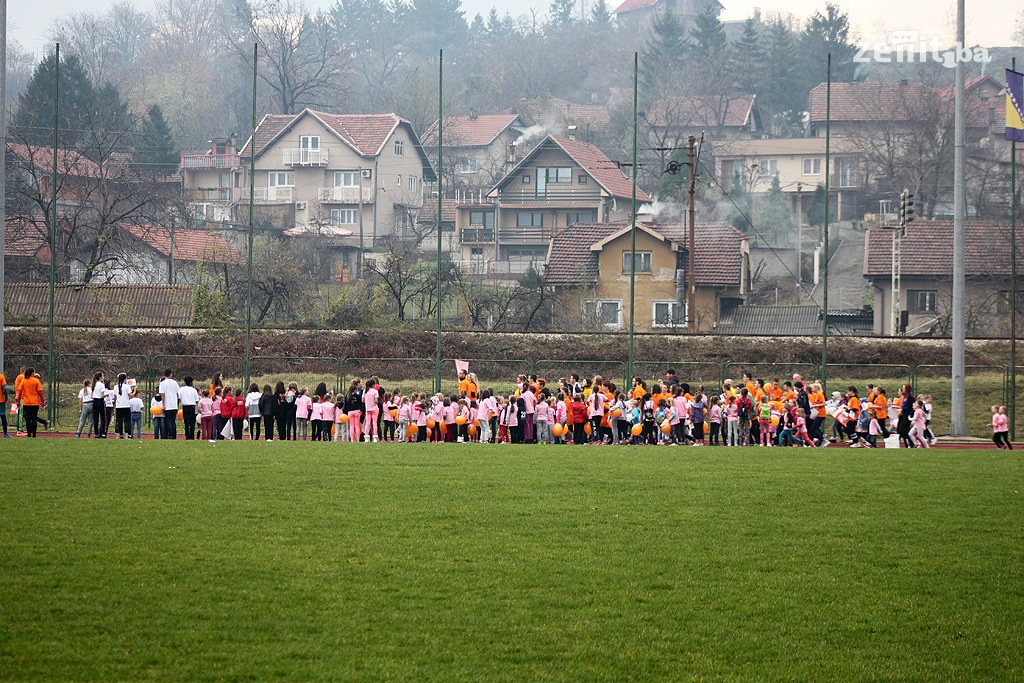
748	59
155	150
32	122
601	16
775	219
663	57
816	209
778	94
561	14
710	61
825	34
739	203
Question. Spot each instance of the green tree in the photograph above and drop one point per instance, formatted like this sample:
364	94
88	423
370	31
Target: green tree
560	15
155	150
778	94
748	59
601	16
775	220
663	58
816	209
826	34
32	121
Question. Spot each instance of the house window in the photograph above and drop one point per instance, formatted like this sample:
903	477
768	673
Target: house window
483	219
344	216
468	165
669	314
399	180
602	313
412	183
309	142
574	217
556	175
346	179
768	168
399	148
847	172
922	301
643	261
582	180
281	179
528	219
526	180
812	166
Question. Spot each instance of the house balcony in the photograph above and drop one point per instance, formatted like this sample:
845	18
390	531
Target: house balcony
208	194
201	161
572	195
304	157
270	195
501	269
344	195
476	236
521	235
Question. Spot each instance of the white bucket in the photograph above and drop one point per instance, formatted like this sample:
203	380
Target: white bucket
892	441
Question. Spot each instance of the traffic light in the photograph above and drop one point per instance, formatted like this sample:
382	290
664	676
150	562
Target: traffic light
903	208
908	209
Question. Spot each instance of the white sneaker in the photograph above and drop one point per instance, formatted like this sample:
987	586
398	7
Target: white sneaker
825	443
375	439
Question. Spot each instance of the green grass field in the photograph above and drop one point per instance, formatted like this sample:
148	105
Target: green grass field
311	561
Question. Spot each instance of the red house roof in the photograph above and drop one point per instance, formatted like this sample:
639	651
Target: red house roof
927	250
573	255
26	238
365	133
69	162
189	245
703	112
471	131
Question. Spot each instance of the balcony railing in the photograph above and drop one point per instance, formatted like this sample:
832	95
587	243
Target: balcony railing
271	195
305	157
572	195
344	195
208	194
194	161
519	235
500	268
477	236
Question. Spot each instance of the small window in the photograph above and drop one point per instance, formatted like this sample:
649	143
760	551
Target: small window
922	301
309	142
669	314
582	180
468	165
481	218
574	217
344	216
412	182
768	168
281	179
526	180
812	166
399	181
643	261
602	313
399	148
529	219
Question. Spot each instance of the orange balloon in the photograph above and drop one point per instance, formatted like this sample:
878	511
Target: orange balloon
181	414
637	430
666	427
471	430
460	419
616	413
557	429
430	423
410	432
394	412
157	410
587	428
343	417
775	420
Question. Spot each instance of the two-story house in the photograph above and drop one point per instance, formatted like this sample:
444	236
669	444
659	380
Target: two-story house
212	180
478	149
559	183
589	265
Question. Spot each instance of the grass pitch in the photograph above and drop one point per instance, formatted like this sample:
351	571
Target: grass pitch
378	562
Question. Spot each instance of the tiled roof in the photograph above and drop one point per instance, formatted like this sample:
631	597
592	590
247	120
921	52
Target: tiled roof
629	5
592	160
189	245
428	212
147	305
868	101
552	111
718	258
26	239
928	250
804	321
703	112
365	133
471	131
69	162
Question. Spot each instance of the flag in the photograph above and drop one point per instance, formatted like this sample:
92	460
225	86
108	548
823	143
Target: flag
1014	106
462	366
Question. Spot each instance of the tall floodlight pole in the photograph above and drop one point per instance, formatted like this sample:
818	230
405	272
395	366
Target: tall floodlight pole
632	232
824	235
957	417
440	204
249	230
691	275
1013	280
53	224
3	169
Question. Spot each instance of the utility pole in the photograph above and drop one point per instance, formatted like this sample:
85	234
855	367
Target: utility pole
691	287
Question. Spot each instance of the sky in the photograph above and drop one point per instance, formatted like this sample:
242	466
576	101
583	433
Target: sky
989	23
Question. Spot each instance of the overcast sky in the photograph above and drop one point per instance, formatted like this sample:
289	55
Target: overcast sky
989	23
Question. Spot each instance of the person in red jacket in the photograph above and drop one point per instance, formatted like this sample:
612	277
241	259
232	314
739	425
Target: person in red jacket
579	420
238	415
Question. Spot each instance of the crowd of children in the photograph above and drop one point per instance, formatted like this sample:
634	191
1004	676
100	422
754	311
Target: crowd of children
592	411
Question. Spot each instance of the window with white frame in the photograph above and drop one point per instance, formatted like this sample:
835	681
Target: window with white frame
309	142
922	300
344	216
669	314
412	182
768	168
559	175
642	261
399	148
603	313
346	178
281	179
812	166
